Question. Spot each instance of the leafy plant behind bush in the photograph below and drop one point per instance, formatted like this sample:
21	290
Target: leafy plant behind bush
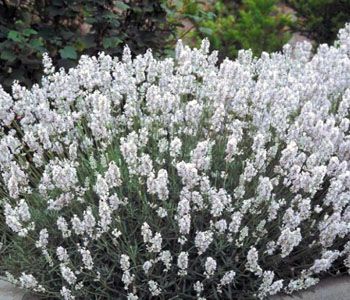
321	20
234	25
261	27
66	29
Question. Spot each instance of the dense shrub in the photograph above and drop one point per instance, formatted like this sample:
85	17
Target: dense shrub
234	25
320	20
67	29
178	178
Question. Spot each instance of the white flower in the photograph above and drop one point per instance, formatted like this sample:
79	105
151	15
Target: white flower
101	187
155	243
202	240
175	147
63	227
188	173
124	262
325	262
221	225
87	258
145	165
162	212
113	176
166	258
146	266
268	287
127	279
66	293
105	213
219	200
184	224
201	156
154	288
210	266
28	281
146	232
252	261
182	263
288	240
158	185
64	175
236	219
43	239
198	287
227	279
6	113
116	233
67	274
62	254
15	217
131	296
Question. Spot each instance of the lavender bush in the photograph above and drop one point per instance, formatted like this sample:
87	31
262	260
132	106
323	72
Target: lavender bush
178	178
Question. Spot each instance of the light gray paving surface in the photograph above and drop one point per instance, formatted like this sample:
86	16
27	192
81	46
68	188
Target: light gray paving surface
328	289
9	292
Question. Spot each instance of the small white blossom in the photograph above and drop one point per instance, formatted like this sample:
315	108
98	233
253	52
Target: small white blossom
175	147
252	261
28	281
124	262
210	266
166	258
87	259
146	266
62	254
154	288
227	279
288	240
66	293
182	263
68	274
202	240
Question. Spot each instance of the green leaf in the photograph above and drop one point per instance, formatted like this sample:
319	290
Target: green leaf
37	44
196	19
110	42
85	42
29	32
14	36
121	5
210	15
206	31
68	52
7	55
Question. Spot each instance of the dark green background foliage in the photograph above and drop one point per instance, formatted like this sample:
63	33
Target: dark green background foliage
68	28
321	19
234	25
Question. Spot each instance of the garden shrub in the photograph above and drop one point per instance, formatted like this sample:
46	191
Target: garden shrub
67	29
234	25
178	178
320	20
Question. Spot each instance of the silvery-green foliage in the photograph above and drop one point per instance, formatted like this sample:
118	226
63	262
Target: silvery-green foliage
140	178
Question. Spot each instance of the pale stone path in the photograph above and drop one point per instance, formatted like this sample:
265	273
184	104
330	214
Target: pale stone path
9	292
327	289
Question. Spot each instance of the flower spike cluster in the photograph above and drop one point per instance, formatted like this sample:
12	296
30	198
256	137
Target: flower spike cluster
140	178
